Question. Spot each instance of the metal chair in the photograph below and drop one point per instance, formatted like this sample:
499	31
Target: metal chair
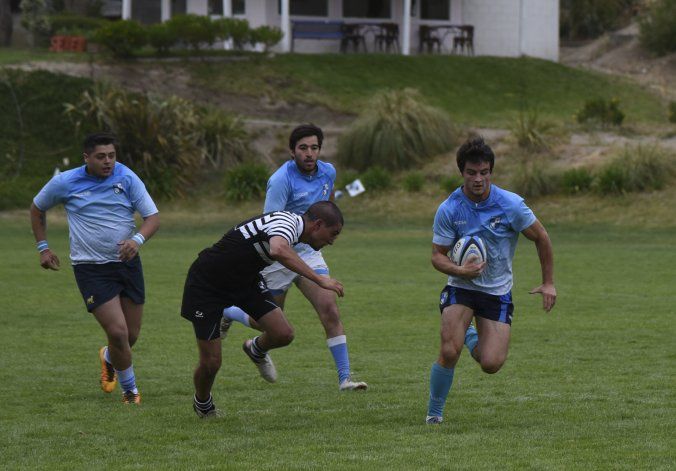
427	39
464	41
352	34
388	37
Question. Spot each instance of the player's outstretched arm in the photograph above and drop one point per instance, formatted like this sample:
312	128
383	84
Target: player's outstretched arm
130	247
443	263
48	259
281	251
538	234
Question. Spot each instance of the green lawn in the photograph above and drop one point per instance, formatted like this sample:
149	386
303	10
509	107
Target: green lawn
482	91
589	386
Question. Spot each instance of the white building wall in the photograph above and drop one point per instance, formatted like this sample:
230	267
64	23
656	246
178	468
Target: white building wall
197	7
540	31
496	26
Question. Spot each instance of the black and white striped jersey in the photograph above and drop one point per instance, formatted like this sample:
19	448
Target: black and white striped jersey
245	250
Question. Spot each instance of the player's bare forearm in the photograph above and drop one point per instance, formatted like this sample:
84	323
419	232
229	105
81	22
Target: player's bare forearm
150	226
38	223
537	233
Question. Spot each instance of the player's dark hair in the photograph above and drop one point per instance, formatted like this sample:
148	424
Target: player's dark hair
305	130
327	211
98	139
474	150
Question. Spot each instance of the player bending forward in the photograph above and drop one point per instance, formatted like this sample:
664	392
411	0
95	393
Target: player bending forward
228	273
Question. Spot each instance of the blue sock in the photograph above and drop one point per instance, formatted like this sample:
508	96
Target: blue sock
471	338
338	347
127	380
236	314
440	384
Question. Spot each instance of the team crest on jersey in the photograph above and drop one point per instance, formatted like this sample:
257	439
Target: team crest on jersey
494	222
325	191
117	188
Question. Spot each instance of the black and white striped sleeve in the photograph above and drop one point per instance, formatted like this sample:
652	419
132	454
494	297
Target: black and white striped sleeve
286	225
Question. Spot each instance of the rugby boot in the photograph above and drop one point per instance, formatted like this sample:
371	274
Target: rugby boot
130	397
265	366
108	374
349	385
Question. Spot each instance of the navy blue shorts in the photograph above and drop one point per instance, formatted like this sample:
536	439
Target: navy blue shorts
203	303
99	283
488	306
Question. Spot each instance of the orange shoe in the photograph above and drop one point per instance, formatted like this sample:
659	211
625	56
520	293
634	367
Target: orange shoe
108	375
132	398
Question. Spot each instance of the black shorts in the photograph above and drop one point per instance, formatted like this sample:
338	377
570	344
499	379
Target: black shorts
488	306
99	283
203	304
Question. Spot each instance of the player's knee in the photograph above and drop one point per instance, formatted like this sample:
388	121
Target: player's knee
285	337
118	336
491	365
211	363
133	337
450	352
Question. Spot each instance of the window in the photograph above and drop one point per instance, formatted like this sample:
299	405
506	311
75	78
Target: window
238	7
435	9
307	7
367	9
216	7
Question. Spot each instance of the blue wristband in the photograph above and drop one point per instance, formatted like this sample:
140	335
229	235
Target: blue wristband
138	238
42	246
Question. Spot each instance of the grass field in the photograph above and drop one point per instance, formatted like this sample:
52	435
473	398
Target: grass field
589	386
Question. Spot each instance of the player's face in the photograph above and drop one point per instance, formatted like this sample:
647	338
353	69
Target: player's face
324	235
101	161
477	180
306	153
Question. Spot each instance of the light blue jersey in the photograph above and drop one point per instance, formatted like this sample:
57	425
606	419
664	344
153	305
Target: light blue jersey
290	190
498	221
100	210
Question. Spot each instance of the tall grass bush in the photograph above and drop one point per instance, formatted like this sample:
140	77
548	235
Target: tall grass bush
534	178
450	183
658	27
414	182
639	168
246	181
599	111
376	179
530	130
166	141
576	180
396	131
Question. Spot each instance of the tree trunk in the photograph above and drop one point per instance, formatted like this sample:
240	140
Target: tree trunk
5	23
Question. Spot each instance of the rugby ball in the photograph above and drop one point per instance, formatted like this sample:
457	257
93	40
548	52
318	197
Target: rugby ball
468	247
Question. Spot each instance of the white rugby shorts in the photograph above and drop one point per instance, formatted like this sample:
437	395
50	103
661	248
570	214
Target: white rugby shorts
279	278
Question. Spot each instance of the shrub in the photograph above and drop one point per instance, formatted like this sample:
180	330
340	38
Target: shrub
530	130
413	182
193	30
345	177
601	111
246	181
534	179
576	180
672	112
658	27
450	183
396	131
268	36
224	139
637	168
239	33
376	179
75	25
161	37
159	138
583	19
121	38
34	16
